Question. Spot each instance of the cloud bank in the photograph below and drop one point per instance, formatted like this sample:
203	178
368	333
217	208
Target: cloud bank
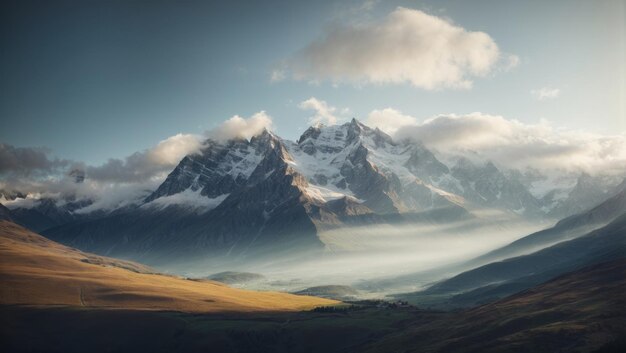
115	183
389	120
509	143
407	46
148	164
514	144
118	181
24	161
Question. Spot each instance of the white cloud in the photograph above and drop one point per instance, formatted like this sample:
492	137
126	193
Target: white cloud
324	113
389	120
515	144
406	46
545	93
148	164
171	150
105	194
238	127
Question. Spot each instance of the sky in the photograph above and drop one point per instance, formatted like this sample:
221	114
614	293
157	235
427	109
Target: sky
124	89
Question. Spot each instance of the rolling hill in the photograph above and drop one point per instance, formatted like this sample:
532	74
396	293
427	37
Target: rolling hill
37	271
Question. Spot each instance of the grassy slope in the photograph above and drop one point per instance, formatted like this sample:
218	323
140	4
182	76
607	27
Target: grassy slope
37	271
578	312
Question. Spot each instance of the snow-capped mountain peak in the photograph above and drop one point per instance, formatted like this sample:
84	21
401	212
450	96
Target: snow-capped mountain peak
351	161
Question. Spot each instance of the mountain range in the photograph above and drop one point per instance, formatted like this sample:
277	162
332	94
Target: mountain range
243	198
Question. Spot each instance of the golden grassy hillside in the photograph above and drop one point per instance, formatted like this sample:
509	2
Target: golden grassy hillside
38	271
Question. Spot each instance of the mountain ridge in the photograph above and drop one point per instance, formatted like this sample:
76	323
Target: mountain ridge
239	197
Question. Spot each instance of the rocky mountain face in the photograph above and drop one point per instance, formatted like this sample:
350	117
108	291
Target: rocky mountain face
364	165
486	185
587	191
241	196
219	169
5	214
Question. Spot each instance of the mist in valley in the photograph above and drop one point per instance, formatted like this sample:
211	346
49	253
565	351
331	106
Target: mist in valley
378	260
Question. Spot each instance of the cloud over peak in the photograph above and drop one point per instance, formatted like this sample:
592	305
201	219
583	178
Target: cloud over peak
239	127
389	120
515	144
147	164
324	113
407	46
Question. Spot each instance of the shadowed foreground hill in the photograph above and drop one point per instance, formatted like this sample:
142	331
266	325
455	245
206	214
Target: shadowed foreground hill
37	271
582	311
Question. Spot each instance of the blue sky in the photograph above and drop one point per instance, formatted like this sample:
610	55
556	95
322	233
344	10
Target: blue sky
93	79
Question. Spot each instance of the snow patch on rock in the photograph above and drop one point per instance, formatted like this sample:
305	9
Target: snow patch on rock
189	199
